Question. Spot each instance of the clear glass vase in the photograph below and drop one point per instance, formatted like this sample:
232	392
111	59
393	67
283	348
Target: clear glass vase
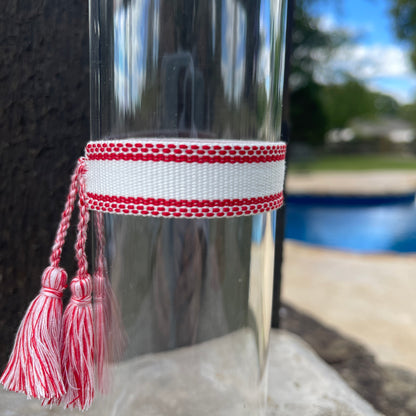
194	294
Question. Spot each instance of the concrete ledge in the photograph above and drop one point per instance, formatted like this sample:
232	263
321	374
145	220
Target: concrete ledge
300	384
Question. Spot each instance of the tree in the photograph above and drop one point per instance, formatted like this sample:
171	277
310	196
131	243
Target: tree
408	113
317	108
404	16
344	102
309	44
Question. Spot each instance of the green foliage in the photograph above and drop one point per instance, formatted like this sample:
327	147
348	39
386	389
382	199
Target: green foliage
386	105
309	46
315	108
404	15
344	102
408	113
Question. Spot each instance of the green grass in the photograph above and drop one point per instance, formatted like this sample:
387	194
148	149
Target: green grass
354	163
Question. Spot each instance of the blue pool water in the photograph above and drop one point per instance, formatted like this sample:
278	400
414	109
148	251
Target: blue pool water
362	224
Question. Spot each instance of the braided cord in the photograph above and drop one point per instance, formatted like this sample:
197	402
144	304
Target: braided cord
55	256
100	242
82	227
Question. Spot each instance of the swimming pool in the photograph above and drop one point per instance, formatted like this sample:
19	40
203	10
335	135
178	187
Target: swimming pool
356	223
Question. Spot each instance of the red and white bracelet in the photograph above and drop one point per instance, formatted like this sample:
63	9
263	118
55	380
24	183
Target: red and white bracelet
188	178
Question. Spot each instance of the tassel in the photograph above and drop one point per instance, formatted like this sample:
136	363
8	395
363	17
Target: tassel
78	335
78	345
109	337
34	367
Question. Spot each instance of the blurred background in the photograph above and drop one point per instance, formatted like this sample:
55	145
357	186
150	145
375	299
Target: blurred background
349	254
349	257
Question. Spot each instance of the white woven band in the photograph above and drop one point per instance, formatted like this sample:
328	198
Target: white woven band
185	178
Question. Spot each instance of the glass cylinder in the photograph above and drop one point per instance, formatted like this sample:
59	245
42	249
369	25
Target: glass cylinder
194	294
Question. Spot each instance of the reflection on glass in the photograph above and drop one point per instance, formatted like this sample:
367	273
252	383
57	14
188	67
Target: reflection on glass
263	63
213	24
136	42
233	54
186	68
278	31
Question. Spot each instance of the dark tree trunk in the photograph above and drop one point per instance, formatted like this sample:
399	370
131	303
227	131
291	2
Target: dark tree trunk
44	113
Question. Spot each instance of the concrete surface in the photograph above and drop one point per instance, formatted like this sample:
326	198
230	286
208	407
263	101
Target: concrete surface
195	381
367	297
390	389
301	384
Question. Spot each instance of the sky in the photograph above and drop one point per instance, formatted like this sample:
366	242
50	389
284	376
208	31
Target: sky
376	56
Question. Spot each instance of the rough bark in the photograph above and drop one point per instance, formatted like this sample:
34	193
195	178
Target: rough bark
44	113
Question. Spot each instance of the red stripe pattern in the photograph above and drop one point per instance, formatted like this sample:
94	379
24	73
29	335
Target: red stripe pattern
184	152
184	208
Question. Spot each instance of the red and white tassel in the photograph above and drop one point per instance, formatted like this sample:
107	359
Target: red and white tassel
34	367
78	332
78	346
109	337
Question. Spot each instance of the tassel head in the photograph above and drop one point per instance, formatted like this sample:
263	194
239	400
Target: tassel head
81	289
54	281
34	367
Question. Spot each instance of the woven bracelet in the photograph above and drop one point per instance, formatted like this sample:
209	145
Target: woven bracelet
184	178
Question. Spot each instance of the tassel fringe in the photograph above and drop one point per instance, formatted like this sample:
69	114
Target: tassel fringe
78	345
34	366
